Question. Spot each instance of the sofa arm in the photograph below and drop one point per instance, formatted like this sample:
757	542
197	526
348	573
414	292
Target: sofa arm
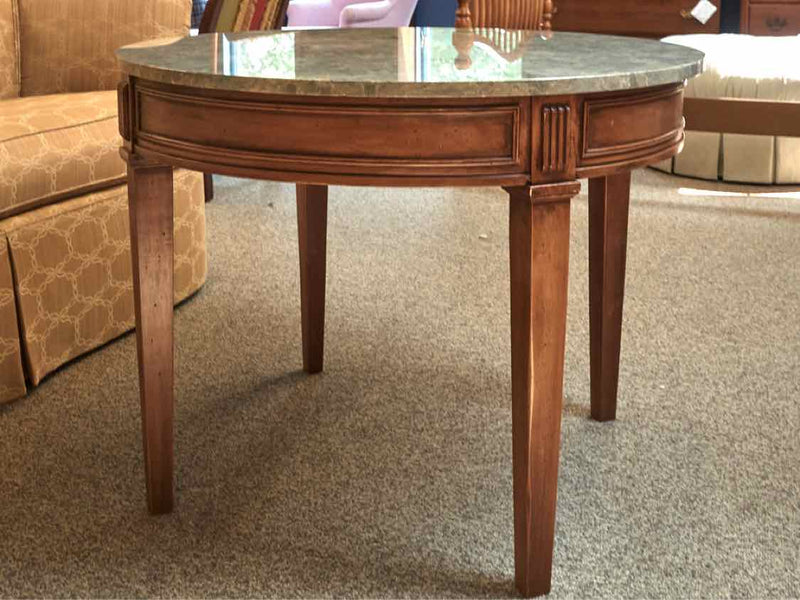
364	12
315	13
378	13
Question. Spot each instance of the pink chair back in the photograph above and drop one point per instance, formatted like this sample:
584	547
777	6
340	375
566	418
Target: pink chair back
350	13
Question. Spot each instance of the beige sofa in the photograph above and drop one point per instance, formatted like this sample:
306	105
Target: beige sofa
65	270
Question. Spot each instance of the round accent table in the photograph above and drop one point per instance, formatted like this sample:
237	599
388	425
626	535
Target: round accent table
531	112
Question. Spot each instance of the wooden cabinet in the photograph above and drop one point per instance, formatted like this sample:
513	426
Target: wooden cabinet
759	17
643	18
659	18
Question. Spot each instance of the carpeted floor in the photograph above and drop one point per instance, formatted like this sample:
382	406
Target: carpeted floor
390	474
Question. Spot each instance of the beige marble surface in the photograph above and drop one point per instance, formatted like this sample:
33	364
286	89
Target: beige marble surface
411	62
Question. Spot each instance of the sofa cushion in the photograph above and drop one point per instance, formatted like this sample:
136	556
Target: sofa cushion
53	147
68	46
72	270
9	50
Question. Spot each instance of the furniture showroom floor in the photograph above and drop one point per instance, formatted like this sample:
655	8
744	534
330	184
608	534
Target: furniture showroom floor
389	474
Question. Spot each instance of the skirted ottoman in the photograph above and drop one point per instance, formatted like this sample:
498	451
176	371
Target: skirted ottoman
742	66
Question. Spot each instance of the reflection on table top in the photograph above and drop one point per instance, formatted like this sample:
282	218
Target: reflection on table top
411	62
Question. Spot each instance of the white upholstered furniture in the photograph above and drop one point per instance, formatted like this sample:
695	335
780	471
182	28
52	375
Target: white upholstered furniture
742	66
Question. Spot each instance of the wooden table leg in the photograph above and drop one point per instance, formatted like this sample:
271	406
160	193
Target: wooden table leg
608	233
539	249
312	226
208	186
150	205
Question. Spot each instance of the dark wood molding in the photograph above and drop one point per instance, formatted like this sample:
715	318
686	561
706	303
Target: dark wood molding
622	127
444	141
462	141
210	16
741	115
555	137
123	106
770	17
555	132
640	18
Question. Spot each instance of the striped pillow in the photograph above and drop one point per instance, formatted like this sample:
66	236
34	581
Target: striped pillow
245	15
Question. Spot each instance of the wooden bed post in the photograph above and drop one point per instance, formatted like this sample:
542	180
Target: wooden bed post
547	15
463	15
505	14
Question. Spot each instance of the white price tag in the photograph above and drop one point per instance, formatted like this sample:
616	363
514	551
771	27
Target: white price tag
703	11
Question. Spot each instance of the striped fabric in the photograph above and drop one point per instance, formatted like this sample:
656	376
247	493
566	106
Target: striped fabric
244	15
9	49
227	15
69	46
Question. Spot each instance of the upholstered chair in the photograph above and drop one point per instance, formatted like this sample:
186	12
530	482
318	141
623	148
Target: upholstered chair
351	13
65	266
316	13
384	13
225	16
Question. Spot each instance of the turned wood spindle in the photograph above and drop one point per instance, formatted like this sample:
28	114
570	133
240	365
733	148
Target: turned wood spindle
463	15
547	15
506	14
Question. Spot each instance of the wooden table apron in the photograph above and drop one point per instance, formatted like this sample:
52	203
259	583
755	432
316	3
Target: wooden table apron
536	148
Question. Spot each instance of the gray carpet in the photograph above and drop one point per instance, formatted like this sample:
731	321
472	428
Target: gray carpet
390	474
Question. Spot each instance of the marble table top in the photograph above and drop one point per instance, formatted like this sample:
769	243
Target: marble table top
423	62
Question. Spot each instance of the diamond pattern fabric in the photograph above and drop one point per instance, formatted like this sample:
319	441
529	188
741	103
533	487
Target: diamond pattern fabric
57	146
72	267
65	266
12	378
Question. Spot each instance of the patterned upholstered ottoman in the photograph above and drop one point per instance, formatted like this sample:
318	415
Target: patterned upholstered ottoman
742	66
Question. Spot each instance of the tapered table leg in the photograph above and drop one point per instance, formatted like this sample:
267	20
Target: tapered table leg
208	186
608	233
312	225
150	205
539	248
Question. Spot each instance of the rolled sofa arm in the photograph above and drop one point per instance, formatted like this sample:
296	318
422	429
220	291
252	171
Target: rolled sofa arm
378	13
315	13
364	12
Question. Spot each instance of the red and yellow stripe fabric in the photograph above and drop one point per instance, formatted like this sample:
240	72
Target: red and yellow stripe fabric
246	15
